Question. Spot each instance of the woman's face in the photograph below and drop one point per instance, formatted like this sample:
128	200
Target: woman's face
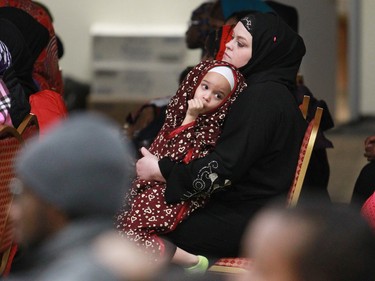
239	50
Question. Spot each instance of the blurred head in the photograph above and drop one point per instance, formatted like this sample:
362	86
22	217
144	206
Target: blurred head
199	26
312	242
216	17
80	170
215	87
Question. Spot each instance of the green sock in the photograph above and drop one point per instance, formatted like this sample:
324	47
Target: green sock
200	267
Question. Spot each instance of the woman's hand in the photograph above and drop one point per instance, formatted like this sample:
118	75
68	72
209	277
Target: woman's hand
370	148
148	168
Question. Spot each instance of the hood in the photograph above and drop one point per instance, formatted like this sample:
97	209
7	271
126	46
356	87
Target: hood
277	50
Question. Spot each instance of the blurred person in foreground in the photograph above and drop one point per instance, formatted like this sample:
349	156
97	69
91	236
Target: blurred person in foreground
69	185
314	241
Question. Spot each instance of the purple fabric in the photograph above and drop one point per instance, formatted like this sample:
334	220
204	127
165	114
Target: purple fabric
5	58
4	105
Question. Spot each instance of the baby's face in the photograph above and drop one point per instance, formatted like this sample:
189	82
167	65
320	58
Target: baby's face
213	90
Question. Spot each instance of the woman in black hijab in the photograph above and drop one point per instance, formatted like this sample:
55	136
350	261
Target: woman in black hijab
256	156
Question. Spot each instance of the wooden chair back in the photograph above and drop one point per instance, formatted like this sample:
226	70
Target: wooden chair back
29	127
10	143
304	106
304	158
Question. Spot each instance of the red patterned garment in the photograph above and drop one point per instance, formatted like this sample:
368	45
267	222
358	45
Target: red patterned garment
368	210
5	118
46	70
49	107
146	214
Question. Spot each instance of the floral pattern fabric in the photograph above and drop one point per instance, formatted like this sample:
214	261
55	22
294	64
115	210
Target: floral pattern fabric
146	214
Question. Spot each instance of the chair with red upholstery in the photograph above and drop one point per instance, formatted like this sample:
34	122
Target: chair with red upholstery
304	158
11	140
230	265
10	143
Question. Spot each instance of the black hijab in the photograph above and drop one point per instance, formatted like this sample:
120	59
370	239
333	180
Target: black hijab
25	39
36	36
277	50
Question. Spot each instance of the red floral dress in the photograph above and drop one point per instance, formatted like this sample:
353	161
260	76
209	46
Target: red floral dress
146	214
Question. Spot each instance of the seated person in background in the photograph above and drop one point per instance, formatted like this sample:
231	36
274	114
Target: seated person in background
365	183
32	38
204	20
199	27
370	148
46	70
194	119
311	242
27	31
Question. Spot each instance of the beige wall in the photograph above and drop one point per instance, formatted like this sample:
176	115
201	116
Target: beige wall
367	58
318	28
74	18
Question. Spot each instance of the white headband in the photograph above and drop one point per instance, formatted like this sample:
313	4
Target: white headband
226	72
